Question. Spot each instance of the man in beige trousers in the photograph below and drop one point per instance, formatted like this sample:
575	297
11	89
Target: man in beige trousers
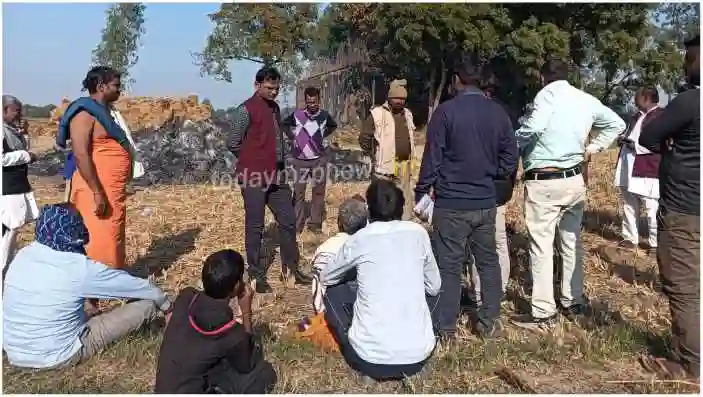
387	136
552	140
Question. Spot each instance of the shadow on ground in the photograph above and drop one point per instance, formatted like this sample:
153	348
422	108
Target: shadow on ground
164	252
623	263
603	223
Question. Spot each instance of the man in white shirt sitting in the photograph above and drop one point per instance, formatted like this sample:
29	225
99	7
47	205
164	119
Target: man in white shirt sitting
353	216
637	173
383	321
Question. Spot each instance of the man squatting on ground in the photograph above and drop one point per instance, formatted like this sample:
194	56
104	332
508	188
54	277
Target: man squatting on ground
387	136
470	143
205	348
310	128
260	145
676	134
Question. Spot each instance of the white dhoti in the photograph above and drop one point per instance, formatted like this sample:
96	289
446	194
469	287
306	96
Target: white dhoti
15	211
637	193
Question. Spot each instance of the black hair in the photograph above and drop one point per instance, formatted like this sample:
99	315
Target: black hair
385	201
470	71
693	42
267	73
312	92
99	75
650	92
222	271
554	69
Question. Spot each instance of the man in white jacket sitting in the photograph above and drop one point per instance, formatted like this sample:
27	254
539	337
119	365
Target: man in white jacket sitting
353	216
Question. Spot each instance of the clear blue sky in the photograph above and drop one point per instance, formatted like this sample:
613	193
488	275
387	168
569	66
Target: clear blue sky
47	50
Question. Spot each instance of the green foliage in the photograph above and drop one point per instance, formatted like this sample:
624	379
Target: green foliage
121	38
37	112
613	47
267	33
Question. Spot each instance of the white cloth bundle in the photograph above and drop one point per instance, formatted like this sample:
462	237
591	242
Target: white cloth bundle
137	166
424	208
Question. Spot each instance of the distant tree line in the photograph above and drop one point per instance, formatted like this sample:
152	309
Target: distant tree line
37	112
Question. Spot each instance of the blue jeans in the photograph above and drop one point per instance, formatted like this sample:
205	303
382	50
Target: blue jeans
339	311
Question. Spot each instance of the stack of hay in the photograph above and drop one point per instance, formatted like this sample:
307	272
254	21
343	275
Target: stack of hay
145	113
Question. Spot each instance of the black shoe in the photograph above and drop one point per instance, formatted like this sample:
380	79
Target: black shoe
574	312
484	331
262	286
528	322
302	278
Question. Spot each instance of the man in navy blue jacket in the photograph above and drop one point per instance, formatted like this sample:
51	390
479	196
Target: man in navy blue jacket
470	144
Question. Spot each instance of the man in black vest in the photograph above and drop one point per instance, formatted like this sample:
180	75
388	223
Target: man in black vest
18	204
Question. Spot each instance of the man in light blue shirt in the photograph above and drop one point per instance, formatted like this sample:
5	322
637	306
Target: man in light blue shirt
552	141
44	321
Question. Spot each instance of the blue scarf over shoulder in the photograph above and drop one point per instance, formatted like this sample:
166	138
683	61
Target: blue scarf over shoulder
101	114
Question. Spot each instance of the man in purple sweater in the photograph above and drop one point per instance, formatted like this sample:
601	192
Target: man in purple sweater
309	128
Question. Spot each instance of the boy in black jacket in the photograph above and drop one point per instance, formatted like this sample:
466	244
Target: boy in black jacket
205	349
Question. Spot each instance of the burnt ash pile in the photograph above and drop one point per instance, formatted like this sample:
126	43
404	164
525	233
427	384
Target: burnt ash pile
185	152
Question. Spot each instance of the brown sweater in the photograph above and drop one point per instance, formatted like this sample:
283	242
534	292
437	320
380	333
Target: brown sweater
402	137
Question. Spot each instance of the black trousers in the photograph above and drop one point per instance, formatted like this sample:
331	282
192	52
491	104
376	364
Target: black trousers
224	379
452	231
279	199
339	311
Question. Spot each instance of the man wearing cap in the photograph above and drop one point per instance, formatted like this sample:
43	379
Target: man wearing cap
387	136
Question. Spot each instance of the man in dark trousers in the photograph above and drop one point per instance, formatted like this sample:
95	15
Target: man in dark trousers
504	192
260	146
470	144
310	127
676	134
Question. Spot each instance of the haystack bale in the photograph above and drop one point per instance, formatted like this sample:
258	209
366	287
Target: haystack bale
144	113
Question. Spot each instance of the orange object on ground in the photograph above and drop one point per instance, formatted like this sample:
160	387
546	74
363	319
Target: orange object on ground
319	334
107	235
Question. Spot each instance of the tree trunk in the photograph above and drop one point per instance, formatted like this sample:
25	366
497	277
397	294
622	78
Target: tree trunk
430	94
437	95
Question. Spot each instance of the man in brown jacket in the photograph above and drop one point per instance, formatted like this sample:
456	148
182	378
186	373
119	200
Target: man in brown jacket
387	136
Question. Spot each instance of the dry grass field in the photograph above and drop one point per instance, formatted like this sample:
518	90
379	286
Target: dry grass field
172	228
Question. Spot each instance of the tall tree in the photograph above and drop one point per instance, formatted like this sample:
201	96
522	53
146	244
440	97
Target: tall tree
121	38
420	42
272	34
613	48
